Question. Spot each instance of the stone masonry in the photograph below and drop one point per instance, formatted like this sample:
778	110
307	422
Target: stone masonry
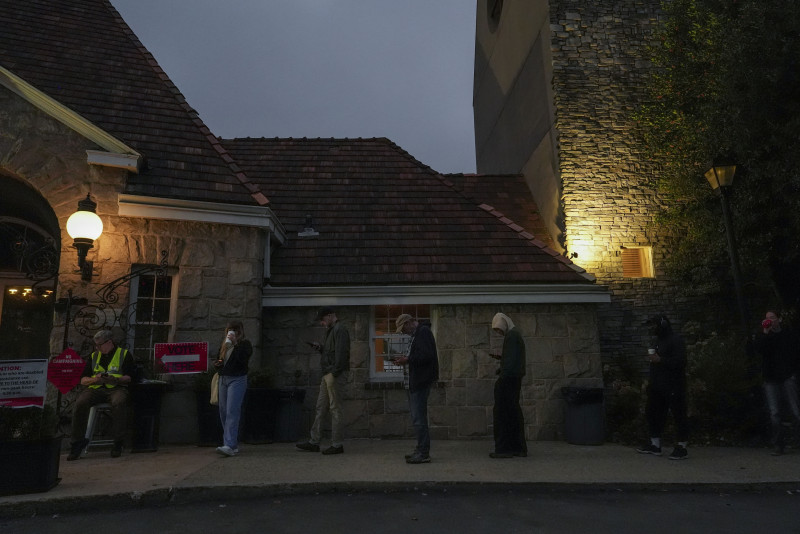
562	349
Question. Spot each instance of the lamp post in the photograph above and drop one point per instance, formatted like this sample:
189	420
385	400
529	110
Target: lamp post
721	178
84	226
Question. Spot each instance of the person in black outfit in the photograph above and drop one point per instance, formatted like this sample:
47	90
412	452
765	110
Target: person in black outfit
667	388
778	346
509	422
423	372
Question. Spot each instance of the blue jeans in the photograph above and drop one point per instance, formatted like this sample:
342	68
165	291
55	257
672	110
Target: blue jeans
776	393
231	396
418	405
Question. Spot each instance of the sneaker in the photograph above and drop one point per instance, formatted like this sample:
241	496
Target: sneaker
411	455
418	458
76	449
227	451
679	453
333	450
307	446
649	449
116	450
501	455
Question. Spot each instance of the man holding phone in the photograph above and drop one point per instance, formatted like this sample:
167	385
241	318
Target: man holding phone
106	377
335	364
423	371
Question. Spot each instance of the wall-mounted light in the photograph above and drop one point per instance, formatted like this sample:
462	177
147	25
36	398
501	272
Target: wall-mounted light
84	226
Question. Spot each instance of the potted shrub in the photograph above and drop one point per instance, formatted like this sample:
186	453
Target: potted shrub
29	450
209	427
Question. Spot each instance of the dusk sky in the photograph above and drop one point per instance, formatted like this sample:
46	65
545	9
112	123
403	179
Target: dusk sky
400	69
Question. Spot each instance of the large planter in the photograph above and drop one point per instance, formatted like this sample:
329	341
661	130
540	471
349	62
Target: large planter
29	466
259	415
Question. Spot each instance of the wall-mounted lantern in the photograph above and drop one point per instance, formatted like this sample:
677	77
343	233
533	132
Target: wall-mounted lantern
84	226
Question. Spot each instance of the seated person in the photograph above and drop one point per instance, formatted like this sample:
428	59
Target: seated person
107	375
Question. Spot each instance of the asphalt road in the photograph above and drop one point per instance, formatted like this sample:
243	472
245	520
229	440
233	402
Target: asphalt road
443	511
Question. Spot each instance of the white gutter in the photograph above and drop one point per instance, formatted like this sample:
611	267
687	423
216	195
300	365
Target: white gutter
199	211
435	294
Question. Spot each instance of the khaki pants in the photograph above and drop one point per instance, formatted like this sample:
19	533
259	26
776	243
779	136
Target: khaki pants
330	399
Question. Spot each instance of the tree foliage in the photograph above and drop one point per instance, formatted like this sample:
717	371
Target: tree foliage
726	88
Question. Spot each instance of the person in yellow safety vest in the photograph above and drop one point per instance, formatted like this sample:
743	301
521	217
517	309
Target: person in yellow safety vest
106	377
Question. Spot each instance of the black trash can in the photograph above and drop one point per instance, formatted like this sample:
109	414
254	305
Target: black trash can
290	414
146	415
260	415
585	419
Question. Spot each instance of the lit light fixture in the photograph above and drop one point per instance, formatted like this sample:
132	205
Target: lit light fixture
84	226
720	176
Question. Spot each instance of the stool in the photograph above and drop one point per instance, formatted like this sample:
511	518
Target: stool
94	414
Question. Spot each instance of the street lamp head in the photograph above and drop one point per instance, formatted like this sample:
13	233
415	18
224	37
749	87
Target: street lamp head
720	176
84	226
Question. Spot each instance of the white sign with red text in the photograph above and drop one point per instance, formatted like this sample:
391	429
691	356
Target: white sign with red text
181	358
23	383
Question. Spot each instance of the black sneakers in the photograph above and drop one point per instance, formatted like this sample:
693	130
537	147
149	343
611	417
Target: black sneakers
649	449
679	453
333	450
418	458
307	446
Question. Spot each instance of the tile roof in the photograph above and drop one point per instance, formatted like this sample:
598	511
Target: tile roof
509	194
384	218
82	54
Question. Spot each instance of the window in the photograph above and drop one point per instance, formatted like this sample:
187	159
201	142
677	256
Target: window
385	342
153	297
637	262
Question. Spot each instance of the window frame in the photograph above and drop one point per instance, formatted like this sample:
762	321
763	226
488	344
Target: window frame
638	263
396	343
148	353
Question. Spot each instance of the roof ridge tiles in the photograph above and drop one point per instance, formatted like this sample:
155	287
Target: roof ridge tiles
240	176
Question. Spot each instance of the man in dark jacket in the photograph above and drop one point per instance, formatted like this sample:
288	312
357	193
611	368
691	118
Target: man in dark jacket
778	346
335	364
509	422
667	388
423	371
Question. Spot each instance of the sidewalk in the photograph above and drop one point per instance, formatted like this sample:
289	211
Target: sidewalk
179	474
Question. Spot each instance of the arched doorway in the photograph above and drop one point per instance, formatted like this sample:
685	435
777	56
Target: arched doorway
30	241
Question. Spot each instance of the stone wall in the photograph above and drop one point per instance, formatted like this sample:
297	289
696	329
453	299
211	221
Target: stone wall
609	199
219	268
562	349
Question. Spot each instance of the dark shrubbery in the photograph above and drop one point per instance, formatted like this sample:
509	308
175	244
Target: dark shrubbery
724	395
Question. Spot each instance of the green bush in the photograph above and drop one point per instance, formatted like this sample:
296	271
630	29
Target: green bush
25	424
725	406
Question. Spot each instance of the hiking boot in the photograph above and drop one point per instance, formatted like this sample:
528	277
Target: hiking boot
116	450
649	449
679	453
333	450
307	446
418	458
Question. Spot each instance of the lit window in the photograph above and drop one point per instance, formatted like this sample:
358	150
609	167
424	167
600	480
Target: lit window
385	342
637	262
153	297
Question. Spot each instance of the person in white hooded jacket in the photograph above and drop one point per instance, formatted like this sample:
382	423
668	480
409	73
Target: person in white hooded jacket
509	422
